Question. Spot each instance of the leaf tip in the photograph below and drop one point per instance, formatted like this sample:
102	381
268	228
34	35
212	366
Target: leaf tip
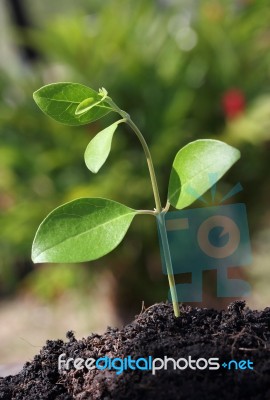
91	166
238	152
34	258
93	170
34	255
35	95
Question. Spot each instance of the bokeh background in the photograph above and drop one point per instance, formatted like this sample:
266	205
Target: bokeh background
184	70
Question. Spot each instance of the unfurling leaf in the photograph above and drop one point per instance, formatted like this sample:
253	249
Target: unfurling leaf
89	103
86	105
61	100
81	230
99	148
193	166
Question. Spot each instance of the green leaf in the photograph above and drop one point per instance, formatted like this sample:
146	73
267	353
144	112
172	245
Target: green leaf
99	148
197	167
86	105
61	100
81	230
89	103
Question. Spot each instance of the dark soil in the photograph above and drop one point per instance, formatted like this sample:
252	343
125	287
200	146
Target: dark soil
237	333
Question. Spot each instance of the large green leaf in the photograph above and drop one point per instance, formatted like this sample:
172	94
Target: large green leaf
60	101
196	167
81	230
99	148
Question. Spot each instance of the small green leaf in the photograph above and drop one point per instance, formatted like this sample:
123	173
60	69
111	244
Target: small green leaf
61	100
81	230
99	148
86	105
193	166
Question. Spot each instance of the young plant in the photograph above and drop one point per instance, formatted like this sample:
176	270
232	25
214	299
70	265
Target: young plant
88	228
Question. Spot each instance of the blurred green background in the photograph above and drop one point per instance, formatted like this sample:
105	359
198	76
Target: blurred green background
183	70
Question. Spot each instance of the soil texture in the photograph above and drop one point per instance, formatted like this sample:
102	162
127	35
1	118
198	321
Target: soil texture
237	333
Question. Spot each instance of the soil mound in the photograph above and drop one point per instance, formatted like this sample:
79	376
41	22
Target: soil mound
237	333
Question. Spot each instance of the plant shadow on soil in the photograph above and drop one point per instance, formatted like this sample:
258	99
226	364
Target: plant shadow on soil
236	333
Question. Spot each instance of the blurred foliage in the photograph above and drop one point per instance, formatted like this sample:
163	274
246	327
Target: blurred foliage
50	282
167	63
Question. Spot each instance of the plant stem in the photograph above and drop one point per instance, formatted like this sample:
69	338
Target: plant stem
149	212
159	213
145	148
168	261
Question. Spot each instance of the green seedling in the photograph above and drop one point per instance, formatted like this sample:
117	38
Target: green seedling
88	228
